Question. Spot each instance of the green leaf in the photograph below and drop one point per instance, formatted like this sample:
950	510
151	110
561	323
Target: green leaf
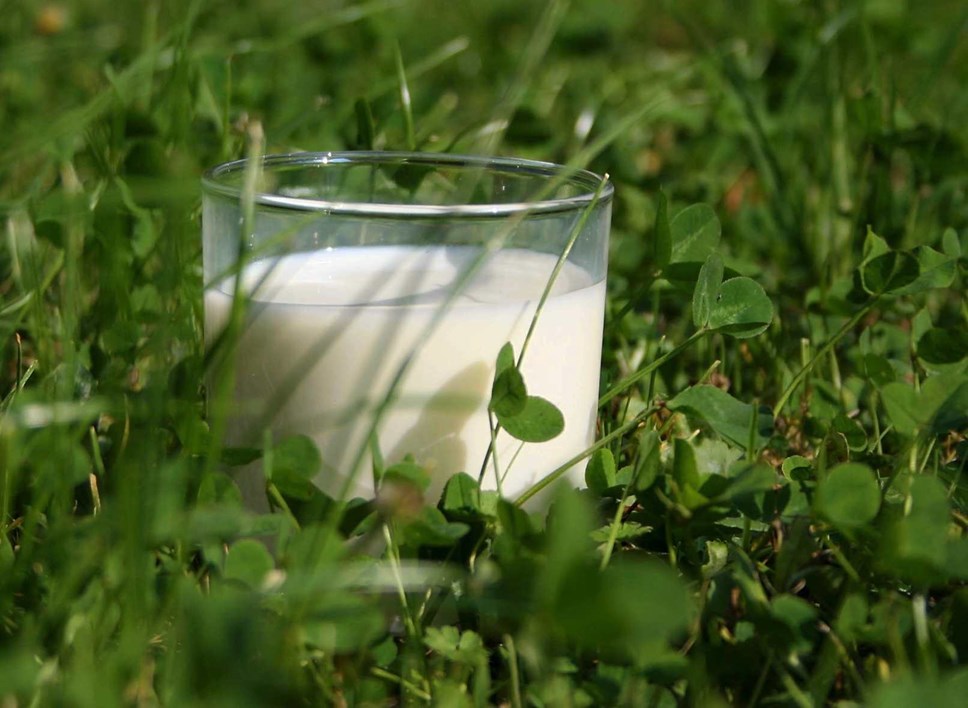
19	671
717	554
431	528
539	421
888	273
684	469
450	691
238	456
920	324
725	415
648	463
407	472
341	622
695	234
294	462
464	648
935	271
514	521
489	500
742	309
706	293
941	404
462	496
357	516
794	623
569	526
908	690
626	532
600	471
219	488
215	522
943	345
852	431
121	336
952	414
249	562
631	609
901	402
146	300
849	496
914	543
748	478
72	465
874	245
852	616
715	456
956	558
505	358
662	233
878	370
385	652
508	394
793	463
950	244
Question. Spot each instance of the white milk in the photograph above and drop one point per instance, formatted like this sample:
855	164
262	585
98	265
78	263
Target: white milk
338	324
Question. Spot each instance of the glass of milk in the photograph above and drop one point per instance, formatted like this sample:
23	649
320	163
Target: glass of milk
362	298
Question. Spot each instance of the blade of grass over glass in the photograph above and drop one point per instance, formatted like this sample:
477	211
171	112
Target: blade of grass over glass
225	378
576	231
560	263
386	400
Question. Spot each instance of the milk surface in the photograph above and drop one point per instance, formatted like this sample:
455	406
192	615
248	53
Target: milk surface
325	333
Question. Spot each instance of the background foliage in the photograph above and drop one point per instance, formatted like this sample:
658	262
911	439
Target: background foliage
776	511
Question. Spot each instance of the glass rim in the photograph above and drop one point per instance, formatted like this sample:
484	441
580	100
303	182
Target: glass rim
591	184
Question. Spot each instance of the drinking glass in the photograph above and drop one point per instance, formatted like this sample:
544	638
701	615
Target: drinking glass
362	299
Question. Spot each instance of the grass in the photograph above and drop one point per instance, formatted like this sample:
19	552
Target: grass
773	516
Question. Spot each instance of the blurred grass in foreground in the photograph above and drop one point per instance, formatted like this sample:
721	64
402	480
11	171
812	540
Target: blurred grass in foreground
821	559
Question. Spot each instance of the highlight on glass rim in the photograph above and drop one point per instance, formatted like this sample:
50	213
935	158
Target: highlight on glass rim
433	352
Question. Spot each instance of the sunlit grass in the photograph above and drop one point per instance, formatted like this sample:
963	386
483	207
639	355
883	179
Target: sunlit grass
714	558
